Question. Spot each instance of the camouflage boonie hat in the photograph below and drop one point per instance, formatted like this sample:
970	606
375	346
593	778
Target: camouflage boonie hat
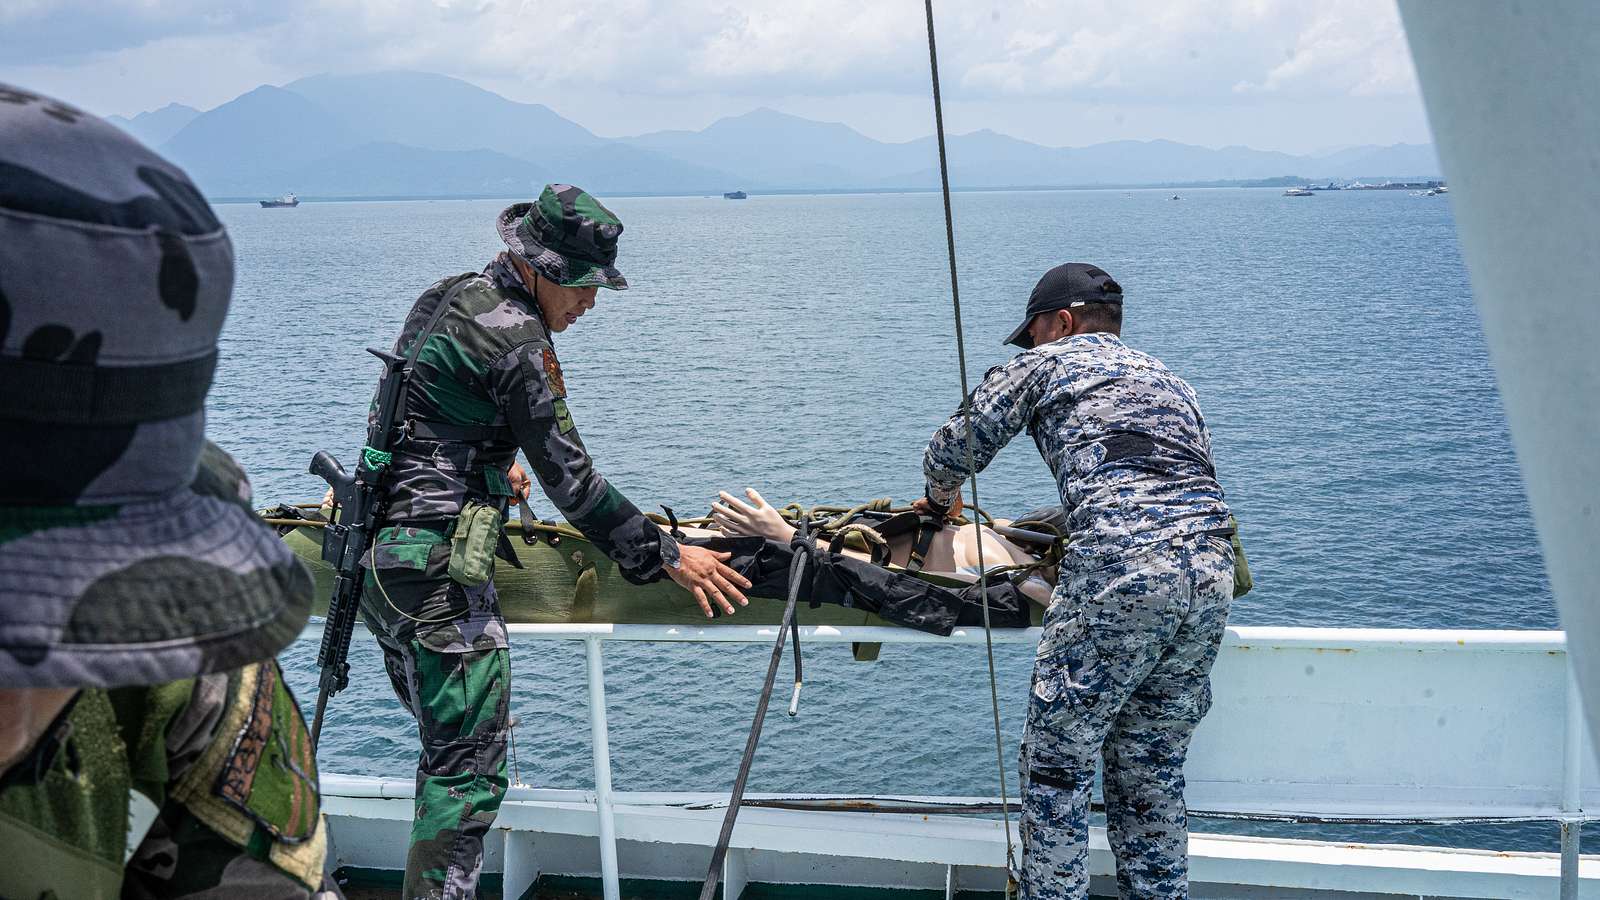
129	553
567	236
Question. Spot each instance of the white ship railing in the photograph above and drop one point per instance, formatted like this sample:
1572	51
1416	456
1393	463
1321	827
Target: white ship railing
1308	724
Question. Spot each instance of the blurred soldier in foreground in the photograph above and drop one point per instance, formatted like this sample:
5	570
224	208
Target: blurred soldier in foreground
148	744
486	384
1123	668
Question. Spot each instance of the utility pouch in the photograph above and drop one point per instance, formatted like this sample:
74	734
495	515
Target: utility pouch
473	542
1242	582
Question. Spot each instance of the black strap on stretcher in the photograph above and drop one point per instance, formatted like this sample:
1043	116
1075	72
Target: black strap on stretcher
803	549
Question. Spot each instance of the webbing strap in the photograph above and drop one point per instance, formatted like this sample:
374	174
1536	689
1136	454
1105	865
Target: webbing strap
403	394
433	320
35	390
923	542
445	431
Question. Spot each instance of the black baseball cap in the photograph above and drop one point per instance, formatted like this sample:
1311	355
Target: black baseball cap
1066	286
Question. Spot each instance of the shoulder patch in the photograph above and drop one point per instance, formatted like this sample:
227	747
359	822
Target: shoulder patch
270	775
256	783
563	417
552	374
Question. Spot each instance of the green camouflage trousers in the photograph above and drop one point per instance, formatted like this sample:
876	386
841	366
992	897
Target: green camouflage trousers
445	651
1123	675
214	774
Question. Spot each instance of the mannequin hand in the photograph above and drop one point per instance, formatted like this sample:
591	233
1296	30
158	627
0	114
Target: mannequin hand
736	518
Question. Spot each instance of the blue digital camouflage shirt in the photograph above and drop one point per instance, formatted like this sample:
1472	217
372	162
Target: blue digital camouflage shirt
1122	434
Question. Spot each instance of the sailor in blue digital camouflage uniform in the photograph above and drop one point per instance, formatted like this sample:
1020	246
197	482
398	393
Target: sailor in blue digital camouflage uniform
1124	661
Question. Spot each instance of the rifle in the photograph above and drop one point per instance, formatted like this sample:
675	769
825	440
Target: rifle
354	521
352	525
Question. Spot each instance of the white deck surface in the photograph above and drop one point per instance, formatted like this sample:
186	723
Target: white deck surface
557	833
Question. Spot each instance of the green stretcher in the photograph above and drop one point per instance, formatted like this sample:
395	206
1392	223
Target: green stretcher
564	579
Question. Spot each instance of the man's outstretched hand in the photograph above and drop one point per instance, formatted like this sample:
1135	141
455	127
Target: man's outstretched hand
924	506
705	574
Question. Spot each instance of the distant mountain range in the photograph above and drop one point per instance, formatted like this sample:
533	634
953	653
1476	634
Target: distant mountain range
156	126
419	134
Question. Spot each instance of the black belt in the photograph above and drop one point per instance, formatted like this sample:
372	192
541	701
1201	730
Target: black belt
445	431
443	525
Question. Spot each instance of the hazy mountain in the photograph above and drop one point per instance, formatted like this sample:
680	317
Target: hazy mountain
393	170
246	146
437	112
619	168
413	133
774	150
410	133
770	149
1417	160
157	125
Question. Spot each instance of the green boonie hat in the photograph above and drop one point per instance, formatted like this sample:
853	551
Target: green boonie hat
129	554
567	236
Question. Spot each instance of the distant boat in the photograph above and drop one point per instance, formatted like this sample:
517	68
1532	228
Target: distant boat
1298	192
735	195
286	201
1176	197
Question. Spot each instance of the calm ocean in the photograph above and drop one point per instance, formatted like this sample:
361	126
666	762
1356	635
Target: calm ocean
803	345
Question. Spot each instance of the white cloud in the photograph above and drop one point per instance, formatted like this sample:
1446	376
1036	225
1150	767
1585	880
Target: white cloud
1344	50
623	56
1144	50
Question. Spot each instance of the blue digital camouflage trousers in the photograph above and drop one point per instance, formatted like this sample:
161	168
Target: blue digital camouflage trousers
1123	675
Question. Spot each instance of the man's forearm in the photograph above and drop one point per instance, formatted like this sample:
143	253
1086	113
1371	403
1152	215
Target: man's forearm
942	496
944	465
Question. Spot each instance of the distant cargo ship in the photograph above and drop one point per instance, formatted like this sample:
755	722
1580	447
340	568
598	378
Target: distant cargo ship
287	200
735	195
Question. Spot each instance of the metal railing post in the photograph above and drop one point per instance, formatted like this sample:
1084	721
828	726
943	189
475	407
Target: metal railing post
1571	770
600	745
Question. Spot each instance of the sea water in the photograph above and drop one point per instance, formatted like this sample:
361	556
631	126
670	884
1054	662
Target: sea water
804	346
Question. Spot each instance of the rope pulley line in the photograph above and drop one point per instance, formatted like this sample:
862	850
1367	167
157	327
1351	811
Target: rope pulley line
966	414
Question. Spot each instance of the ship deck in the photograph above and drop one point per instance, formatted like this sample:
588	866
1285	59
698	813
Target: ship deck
1311	725
548	846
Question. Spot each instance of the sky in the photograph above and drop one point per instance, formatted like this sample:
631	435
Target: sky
1299	76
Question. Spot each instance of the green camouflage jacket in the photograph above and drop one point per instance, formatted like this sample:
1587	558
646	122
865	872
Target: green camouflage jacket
489	367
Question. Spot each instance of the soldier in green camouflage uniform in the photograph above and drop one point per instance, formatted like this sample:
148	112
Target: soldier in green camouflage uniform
1124	662
149	747
486	384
